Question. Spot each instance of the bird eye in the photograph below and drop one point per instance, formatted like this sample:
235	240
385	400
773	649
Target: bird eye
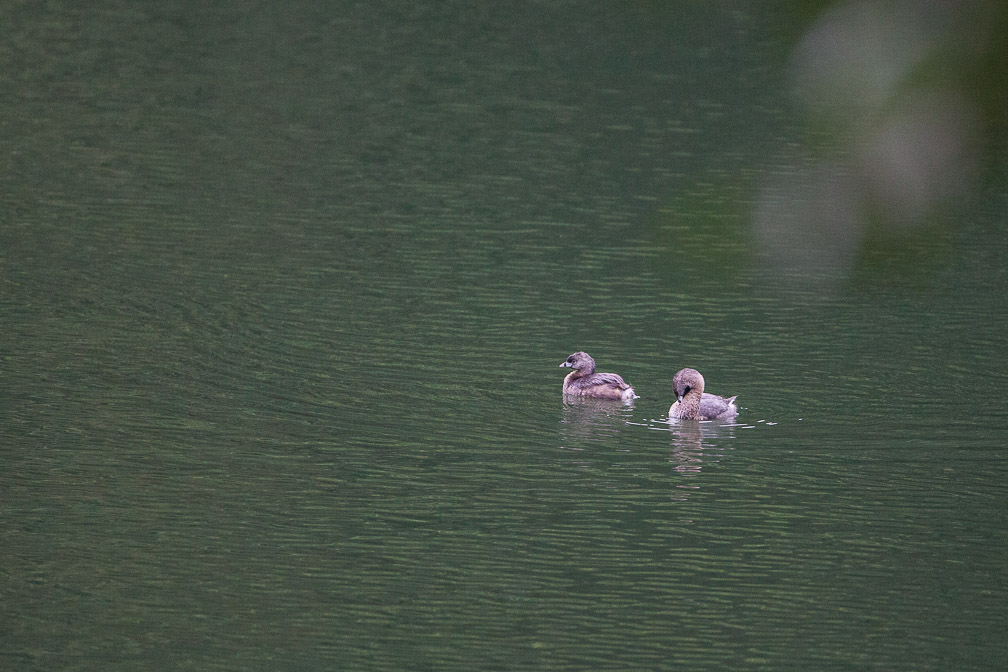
570	360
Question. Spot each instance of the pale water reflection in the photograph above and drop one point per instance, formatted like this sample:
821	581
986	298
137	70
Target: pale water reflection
593	420
695	444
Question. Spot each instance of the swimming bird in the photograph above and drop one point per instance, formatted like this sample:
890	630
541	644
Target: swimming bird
694	404
584	382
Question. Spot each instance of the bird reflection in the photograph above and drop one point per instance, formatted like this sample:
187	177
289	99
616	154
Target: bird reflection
687	447
593	419
694	443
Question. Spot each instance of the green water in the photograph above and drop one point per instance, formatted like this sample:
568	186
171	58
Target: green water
284	294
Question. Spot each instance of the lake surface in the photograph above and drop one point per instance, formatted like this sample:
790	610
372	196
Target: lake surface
284	294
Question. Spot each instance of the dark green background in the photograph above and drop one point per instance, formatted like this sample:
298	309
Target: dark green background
283	292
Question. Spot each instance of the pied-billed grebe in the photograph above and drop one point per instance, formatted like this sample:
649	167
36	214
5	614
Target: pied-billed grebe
584	382
693	404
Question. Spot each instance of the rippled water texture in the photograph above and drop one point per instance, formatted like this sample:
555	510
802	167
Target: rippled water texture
284	293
